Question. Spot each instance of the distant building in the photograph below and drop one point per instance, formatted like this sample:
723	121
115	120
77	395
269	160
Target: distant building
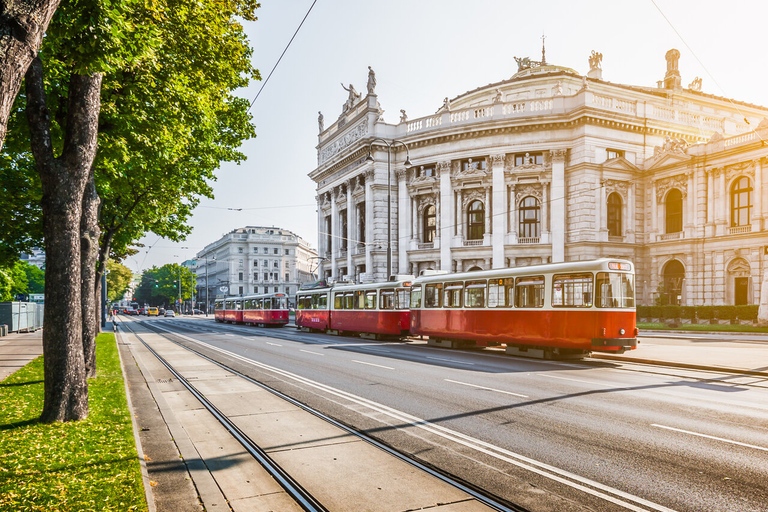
548	166
36	257
253	260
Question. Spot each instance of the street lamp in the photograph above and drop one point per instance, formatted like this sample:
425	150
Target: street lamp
407	164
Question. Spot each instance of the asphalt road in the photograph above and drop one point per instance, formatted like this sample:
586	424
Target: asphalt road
596	435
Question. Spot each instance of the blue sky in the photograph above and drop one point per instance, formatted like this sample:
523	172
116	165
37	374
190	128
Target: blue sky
425	50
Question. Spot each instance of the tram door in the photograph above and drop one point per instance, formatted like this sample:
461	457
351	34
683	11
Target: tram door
741	290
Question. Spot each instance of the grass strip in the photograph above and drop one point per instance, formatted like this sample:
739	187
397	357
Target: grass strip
88	465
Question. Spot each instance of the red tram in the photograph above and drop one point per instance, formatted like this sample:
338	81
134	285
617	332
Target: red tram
267	309
376	310
553	310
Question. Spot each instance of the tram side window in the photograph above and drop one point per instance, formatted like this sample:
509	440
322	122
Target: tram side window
301	303
572	290
529	292
338	301
370	299
416	297
615	290
501	293
388	298
403	296
218	306
349	299
322	302
360	299
452	295
474	294
432	295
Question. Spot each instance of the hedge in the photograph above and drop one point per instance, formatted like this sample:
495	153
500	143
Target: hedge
745	312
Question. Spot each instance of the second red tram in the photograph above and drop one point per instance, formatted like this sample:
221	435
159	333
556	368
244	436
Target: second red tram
266	309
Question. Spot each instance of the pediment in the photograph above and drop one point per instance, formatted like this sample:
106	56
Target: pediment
619	164
668	160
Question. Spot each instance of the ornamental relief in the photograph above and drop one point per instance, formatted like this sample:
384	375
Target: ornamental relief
523	191
622	187
472	195
679	182
443	168
424	201
745	169
355	134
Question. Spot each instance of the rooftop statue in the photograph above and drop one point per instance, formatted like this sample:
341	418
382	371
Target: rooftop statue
371	81
353	98
595	60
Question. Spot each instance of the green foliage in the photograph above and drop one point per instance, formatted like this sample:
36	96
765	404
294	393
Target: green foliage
671	312
747	312
160	286
705	312
724	312
20	277
83	465
118	279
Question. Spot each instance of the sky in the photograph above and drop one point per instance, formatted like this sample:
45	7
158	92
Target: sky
425	50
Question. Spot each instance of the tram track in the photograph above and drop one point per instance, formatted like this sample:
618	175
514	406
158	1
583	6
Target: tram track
480	500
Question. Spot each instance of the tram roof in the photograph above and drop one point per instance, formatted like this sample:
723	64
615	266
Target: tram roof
545	268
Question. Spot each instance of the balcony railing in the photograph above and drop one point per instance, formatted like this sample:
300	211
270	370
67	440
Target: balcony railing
529	240
671	236
737	230
471	243
427	245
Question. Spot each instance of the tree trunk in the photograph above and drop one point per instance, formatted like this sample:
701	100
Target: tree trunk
89	251
22	26
63	182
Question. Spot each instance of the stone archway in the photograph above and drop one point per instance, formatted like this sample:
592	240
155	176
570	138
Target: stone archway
739	281
673	276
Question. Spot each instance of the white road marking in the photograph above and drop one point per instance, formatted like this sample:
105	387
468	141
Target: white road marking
710	437
450	360
315	353
274	344
488	389
616	496
372	364
579	380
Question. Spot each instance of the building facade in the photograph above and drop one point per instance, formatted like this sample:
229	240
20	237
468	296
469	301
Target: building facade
254	260
550	166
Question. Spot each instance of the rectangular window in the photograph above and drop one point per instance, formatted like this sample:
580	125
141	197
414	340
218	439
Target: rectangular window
349	300
287	276
416	297
239	276
255	278
275	289
287	252
615	290
452	295
529	292
255	250
266	250
255	288
474	294
275	264
529	159
240	291
266	278
276	250
338	301
255	263
501	293
266	263
572	290
370	299
403	297
240	250
359	299
432	295
614	153
388	298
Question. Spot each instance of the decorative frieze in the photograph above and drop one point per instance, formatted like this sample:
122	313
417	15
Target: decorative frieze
679	182
343	142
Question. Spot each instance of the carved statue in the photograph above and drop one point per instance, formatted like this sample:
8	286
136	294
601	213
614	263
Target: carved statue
595	60
695	85
320	120
403	116
353	98
523	63
498	97
371	81
446	105
557	90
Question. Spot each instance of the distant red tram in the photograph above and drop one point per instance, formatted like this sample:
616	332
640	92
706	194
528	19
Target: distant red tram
266	309
551	311
376	310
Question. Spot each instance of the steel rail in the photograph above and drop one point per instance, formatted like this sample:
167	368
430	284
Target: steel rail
291	486
477	493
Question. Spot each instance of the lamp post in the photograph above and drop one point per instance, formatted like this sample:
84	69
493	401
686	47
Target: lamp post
407	164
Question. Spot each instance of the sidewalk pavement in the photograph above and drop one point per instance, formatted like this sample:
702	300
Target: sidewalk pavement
176	479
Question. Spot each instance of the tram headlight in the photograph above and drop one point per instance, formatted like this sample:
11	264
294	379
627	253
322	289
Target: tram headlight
621	332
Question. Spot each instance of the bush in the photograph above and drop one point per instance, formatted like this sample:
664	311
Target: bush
688	312
747	312
725	312
705	312
671	312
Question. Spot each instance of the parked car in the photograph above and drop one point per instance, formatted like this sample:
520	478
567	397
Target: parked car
152	312
161	311
169	312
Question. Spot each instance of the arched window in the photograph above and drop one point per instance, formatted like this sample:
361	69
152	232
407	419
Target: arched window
741	202
614	215
674	211
529	225
475	220
429	224
672	291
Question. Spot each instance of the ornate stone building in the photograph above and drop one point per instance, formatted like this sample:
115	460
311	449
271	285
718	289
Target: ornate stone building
548	166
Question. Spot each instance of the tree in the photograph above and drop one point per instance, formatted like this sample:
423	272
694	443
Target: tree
118	279
22	26
159	117
13	280
165	285
35	278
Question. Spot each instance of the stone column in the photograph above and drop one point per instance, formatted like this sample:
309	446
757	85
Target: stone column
721	218
403	221
655	213
630	223
446	214
690	225
320	238
458	201
546	229
488	215
500	211
757	216
334	232
709	229
415	219
602	213
350	234
557	203
369	242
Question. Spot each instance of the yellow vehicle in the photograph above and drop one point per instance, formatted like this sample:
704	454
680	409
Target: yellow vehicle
152	312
